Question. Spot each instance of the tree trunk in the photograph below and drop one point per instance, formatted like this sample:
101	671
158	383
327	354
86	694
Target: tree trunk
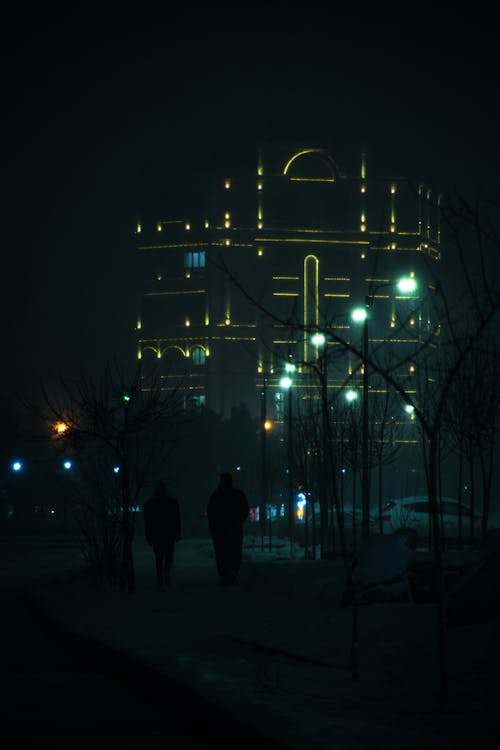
438	560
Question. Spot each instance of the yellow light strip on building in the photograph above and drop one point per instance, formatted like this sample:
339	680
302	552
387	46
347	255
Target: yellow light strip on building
233	338
311	241
331	294
173	244
285	294
311	179
168	294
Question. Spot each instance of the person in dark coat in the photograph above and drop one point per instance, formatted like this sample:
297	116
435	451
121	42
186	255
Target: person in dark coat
227	511
162	527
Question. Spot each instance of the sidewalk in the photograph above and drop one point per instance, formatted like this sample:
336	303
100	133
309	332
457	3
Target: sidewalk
274	651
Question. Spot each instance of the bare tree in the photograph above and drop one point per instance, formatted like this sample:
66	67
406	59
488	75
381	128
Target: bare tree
119	428
457	326
472	421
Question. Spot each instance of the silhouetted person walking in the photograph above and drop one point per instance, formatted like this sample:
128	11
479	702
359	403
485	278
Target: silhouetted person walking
227	511
162	526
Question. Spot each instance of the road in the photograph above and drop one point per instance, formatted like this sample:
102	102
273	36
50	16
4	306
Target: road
52	694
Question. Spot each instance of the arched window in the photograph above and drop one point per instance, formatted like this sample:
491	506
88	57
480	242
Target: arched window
198	356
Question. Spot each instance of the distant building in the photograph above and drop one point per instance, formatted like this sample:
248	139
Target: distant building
302	240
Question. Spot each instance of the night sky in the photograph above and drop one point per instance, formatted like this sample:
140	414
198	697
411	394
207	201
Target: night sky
111	116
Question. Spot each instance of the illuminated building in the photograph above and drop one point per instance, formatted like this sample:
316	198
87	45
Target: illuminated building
304	241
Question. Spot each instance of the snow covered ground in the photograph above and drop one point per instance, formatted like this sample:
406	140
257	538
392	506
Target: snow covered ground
275	651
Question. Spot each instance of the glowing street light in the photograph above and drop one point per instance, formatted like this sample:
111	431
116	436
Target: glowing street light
68	465
286	382
407	285
359	314
16	466
318	339
351	395
60	427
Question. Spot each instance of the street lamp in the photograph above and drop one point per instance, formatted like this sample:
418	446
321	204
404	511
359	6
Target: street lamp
405	285
266	425
360	315
286	383
319	341
60	427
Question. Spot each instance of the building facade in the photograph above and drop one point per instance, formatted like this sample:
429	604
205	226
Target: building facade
233	296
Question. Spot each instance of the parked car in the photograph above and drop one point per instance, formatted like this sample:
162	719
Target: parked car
413	512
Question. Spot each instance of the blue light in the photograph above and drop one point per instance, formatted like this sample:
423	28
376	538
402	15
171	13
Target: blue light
344	470
116	469
16	465
67	465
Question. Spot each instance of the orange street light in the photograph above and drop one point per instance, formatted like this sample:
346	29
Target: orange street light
60	428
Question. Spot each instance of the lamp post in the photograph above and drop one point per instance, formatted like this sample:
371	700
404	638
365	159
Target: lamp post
319	341
264	427
263	476
360	315
406	285
286	383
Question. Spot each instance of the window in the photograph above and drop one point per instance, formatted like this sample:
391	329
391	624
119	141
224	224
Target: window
198	356
194	402
279	406
194	259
